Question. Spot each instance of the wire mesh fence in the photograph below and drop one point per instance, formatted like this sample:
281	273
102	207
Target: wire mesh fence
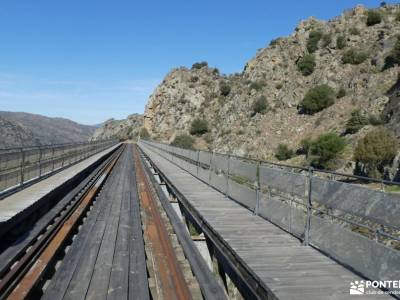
19	166
340	214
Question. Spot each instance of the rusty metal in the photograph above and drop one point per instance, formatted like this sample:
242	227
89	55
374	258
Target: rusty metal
172	281
20	281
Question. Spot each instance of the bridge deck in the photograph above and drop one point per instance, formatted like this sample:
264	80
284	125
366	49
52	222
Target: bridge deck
107	258
288	269
18	202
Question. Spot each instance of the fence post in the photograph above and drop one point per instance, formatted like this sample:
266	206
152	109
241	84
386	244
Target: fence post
309	206
52	158
40	161
209	168
22	167
198	162
227	177
62	156
258	195
379	233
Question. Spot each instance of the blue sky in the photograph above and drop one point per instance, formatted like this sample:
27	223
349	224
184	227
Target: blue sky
90	60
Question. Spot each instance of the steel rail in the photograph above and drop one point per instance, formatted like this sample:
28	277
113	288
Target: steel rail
174	285
27	270
208	284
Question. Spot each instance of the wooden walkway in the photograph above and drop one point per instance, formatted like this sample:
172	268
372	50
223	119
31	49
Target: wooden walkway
288	269
107	259
19	202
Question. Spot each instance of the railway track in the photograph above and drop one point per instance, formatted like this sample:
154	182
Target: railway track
25	270
114	236
170	275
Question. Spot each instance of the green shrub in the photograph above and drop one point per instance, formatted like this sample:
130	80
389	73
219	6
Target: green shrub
326	40
354	57
193	231
183	141
260	106
224	89
354	31
208	138
305	146
341	93
341	42
313	39
283	152
274	42
398	16
194	79
198	127
144	134
256	85
357	121
375	120
373	18
325	149
221	100
278	86
306	64
317	99
199	65
376	150
394	57
226	132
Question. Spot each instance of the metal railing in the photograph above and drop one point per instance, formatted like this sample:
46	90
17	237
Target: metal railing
333	212
20	166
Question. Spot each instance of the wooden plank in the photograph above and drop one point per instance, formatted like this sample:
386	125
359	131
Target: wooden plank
7	255
20	201
119	277
98	287
138	282
60	281
82	276
276	257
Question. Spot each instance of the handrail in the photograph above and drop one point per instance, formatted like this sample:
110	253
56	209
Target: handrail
333	216
19	166
365	178
55	145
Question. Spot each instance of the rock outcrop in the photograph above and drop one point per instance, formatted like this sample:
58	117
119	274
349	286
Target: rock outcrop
186	94
128	128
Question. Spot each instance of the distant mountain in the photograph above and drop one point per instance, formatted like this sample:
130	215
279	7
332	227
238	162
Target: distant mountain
128	128
98	125
24	129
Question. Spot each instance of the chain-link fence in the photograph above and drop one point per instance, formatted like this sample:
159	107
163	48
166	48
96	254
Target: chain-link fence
19	166
339	214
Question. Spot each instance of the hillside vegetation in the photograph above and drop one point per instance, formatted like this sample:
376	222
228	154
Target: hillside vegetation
309	98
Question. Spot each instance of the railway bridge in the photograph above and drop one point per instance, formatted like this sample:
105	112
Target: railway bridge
111	220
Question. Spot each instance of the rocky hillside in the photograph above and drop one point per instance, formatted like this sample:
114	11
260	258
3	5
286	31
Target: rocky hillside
123	129
23	129
353	56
